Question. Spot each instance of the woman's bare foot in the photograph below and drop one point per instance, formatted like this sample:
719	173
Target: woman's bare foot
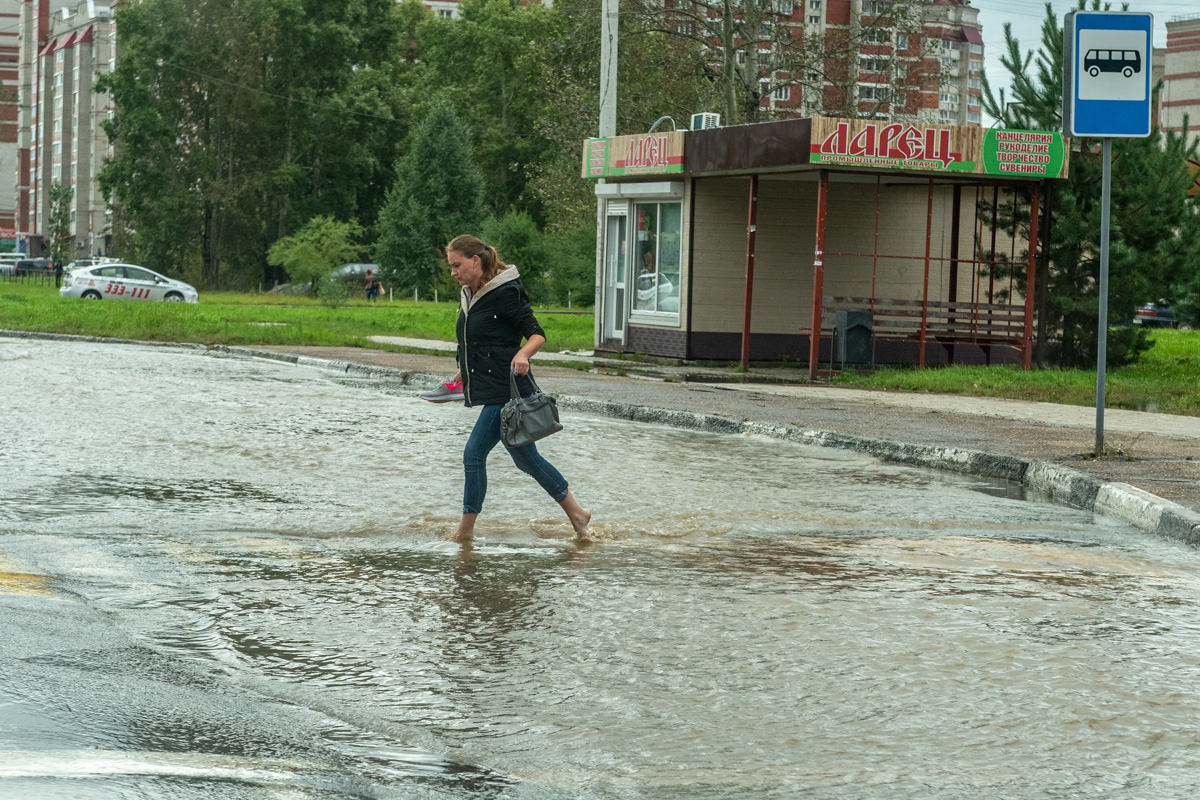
578	515
580	524
466	528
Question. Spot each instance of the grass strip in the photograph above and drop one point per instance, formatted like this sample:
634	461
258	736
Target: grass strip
1165	379
241	319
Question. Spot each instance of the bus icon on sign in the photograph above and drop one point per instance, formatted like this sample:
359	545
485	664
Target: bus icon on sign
1126	62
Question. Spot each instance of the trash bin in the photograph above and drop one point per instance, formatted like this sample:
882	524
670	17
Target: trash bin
854	331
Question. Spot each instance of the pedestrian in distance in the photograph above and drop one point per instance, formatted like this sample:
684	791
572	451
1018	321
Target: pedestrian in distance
58	273
494	316
373	286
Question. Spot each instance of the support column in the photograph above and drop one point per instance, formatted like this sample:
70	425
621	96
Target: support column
955	221
925	290
751	227
814	339
1030	277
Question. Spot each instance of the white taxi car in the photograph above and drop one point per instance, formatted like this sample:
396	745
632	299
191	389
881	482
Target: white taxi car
125	282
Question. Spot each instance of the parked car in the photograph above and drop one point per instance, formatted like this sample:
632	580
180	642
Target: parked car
1156	315
8	262
352	272
33	266
125	282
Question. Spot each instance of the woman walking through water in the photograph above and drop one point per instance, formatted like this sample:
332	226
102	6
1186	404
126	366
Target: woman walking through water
494	317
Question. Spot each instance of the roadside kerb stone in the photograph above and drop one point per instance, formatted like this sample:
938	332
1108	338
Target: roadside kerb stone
70	337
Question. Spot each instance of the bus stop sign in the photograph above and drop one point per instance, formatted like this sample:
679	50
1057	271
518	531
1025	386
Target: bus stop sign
1106	74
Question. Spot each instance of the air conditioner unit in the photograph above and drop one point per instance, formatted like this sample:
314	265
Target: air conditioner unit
705	120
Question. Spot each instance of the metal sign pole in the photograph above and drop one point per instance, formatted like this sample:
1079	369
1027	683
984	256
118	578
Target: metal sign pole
1102	330
1107	59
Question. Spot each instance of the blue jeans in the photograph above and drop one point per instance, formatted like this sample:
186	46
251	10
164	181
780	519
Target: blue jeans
483	438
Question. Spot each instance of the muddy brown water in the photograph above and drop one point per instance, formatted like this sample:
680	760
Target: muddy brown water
225	578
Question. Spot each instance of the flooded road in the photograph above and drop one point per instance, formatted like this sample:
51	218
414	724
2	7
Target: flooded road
223	578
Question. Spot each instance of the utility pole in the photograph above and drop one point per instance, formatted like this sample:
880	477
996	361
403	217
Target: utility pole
608	127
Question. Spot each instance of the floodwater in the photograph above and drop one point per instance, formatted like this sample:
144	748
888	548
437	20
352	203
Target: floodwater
224	578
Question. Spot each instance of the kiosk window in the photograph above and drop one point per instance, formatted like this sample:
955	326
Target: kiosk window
658	239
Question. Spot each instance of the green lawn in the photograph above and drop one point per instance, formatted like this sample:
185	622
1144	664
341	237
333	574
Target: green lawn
233	318
1166	379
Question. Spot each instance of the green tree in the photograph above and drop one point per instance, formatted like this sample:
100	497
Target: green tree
489	54
437	195
1153	240
312	252
517	238
62	243
238	120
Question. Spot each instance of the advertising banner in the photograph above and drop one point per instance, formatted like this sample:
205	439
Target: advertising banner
640	154
878	144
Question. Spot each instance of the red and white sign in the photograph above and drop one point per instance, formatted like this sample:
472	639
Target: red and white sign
886	144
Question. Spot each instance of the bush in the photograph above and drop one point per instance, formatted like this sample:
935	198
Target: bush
555	267
332	290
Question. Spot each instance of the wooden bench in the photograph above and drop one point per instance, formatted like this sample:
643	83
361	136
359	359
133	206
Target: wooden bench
945	323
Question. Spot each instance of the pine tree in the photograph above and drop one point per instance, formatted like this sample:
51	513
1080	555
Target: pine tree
437	196
1154	236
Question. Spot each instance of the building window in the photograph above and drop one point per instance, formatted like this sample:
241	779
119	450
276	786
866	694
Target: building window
787	8
901	41
876	64
875	94
684	29
58	56
877	35
943	116
814	5
58	148
976	66
814	20
977	49
876	6
947	44
445	13
658	247
973	116
58	80
975	83
57	171
58	125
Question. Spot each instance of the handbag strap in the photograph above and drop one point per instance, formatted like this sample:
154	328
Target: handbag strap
514	393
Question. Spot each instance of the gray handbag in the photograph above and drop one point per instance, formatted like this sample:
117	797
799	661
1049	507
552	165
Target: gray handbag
524	420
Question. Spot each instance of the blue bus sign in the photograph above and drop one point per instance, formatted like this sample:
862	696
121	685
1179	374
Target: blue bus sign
1106	74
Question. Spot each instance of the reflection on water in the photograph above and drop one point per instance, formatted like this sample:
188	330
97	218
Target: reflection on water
262	604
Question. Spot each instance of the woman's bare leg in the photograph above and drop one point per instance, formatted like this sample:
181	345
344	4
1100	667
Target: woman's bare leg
579	516
466	527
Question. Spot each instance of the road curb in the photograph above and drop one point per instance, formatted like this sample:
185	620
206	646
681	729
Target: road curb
70	337
1145	511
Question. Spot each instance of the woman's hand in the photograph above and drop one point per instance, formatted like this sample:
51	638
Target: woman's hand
520	362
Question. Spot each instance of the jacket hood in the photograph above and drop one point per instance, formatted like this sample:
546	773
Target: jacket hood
505	276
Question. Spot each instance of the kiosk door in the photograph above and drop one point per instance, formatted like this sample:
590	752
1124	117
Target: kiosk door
616	270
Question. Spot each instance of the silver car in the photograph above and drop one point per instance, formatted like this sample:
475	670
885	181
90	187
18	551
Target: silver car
125	282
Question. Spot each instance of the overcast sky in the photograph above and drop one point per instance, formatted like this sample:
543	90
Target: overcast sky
1026	17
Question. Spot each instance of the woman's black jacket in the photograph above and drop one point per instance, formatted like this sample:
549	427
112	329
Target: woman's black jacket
489	335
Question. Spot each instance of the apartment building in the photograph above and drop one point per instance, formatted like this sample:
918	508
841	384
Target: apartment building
10	13
64	48
1180	94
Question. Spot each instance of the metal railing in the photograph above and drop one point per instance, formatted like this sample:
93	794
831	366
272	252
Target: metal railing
39	277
